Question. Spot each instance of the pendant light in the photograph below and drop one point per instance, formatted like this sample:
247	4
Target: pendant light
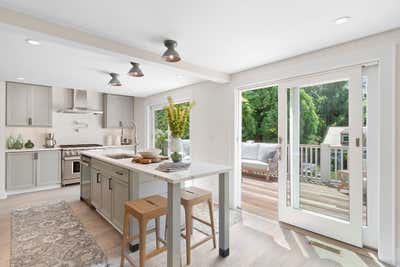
114	80
171	55
135	71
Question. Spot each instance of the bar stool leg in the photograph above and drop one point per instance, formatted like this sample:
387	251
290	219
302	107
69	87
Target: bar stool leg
124	237
210	207
142	238
188	218
157	232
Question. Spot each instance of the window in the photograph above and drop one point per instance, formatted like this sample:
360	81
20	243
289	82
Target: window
160	132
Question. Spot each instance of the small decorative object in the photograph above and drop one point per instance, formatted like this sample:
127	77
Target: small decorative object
176	157
19	143
29	144
10	142
178	121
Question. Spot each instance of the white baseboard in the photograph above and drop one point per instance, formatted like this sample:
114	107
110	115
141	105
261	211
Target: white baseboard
3	195
30	190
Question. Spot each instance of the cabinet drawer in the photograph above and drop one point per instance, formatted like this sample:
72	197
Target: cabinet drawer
111	170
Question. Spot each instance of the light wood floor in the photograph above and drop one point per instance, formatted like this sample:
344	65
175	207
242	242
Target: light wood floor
254	242
261	197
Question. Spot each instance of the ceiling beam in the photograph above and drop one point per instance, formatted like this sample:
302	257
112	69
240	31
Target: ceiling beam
91	41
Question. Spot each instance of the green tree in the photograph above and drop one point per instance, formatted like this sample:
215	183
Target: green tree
248	121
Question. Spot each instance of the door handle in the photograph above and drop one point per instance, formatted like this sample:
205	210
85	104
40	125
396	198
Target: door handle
98	178
109	184
35	155
357	142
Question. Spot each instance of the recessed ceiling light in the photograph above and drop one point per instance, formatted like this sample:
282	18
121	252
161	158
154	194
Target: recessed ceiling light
20	78
342	20
32	42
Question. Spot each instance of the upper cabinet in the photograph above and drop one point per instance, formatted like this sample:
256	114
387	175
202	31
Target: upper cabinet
28	105
118	111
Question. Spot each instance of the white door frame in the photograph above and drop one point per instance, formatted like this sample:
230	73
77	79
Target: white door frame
347	231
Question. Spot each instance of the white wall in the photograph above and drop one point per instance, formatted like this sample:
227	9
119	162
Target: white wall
63	124
2	139
213	119
398	151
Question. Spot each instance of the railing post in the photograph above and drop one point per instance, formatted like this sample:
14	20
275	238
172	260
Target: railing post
325	162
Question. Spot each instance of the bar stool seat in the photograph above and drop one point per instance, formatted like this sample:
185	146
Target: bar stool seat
190	197
145	209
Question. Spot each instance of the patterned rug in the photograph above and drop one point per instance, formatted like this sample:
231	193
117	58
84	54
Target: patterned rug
51	235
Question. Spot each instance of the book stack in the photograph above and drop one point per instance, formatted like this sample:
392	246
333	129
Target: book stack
173	167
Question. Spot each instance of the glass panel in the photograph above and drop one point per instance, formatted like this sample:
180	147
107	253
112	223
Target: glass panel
318	148
364	147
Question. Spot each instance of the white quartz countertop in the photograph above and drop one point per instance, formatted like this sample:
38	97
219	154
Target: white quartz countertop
196	169
35	149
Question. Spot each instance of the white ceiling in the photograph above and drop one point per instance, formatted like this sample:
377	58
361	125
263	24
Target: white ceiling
224	35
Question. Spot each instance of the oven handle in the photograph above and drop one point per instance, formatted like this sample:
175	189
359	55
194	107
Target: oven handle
72	158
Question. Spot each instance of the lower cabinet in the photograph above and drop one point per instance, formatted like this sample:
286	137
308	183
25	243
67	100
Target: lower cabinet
28	170
48	168
21	170
95	195
106	196
120	194
110	191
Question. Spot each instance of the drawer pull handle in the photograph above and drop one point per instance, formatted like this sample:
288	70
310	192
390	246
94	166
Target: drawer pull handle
109	184
119	173
98	178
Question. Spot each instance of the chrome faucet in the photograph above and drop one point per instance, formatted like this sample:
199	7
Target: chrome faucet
134	140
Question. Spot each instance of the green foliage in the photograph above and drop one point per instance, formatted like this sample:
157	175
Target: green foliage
178	116
321	107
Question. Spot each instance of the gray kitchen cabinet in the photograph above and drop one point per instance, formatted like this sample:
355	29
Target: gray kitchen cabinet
28	105
106	196
41	105
96	188
118	110
18	105
120	194
21	171
48	165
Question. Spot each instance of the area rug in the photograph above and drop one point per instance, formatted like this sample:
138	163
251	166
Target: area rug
51	235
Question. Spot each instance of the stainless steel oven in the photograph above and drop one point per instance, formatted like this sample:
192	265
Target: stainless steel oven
71	162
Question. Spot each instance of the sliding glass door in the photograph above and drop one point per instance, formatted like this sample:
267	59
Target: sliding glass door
320	159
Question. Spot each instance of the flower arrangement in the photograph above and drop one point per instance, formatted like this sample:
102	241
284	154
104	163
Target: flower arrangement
178	118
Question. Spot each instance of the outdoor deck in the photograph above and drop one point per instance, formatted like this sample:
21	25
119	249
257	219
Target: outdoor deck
261	197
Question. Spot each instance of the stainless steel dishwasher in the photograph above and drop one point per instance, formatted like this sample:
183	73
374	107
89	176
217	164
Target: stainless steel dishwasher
86	180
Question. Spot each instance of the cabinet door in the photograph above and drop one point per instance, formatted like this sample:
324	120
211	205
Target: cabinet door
48	167
118	110
106	196
17	104
96	189
20	170
120	194
41	106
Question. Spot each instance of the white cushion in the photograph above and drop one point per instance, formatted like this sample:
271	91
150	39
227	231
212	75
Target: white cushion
250	151
254	164
266	151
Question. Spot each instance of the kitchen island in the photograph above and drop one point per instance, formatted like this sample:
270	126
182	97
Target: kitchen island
114	179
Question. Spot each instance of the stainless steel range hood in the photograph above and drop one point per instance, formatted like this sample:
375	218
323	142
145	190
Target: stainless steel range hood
79	103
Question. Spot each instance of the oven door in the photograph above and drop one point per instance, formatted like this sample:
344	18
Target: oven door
71	170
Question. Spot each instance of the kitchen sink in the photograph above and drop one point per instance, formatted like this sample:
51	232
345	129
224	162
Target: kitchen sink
120	156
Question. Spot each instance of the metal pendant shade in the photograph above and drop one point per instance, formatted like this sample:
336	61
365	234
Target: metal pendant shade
135	71
171	55
114	80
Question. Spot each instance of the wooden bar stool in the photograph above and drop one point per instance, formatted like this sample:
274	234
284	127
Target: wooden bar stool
192	196
145	209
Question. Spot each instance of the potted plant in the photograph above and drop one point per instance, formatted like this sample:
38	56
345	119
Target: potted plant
178	121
